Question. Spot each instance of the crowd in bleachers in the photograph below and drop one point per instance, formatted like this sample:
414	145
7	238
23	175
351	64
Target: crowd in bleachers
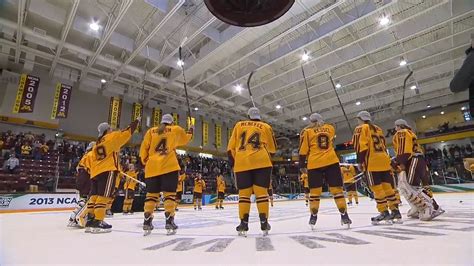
449	159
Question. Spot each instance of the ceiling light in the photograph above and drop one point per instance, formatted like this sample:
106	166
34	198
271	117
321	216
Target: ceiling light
338	85
442	112
357	103
428	106
180	63
305	57
413	87
94	26
384	20
403	62
289	160
297	134
103	81
463	108
238	88
196	109
304	118
278	106
424	116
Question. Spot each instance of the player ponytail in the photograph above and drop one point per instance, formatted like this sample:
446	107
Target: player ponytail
161	128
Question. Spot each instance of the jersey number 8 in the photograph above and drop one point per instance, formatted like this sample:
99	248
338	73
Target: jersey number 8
323	141
100	152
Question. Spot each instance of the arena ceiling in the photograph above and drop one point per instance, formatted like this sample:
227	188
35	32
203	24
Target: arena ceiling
134	49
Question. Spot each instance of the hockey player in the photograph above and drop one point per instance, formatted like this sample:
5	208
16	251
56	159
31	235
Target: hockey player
129	187
304	183
350	184
372	156
158	154
104	170
179	188
83	185
220	191
411	161
199	187
319	160
250	148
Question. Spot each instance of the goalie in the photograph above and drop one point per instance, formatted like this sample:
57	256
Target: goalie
413	172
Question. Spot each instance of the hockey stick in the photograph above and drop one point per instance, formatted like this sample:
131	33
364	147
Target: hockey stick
307	91
404	87
133	179
340	103
185	85
248	87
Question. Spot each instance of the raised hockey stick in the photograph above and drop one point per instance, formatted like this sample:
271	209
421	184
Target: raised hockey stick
404	88
340	103
133	179
185	85
307	91
248	88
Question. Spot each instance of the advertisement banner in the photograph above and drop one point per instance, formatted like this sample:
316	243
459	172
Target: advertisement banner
115	111
205	133
137	111
156	116
61	100
218	135
26	94
187	198
22	202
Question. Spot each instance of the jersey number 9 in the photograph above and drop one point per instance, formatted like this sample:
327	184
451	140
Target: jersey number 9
100	152
253	140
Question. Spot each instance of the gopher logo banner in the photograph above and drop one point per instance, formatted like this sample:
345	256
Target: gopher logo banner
156	116
137	111
62	97
26	95
115	111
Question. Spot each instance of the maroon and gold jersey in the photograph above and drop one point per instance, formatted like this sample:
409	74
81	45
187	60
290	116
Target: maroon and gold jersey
317	143
369	143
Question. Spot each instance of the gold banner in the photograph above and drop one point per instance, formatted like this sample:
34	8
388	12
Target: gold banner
176	119
191	122
205	133
218	135
19	94
137	111
115	112
229	133
56	100
156	116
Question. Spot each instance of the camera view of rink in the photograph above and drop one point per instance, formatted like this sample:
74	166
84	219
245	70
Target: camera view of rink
210	236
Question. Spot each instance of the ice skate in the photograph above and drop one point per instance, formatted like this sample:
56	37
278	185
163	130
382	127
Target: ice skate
349	203
109	213
437	212
125	213
413	213
243	227
199	208
99	227
264	225
221	207
88	225
345	220
72	223
170	226
312	221
382	219
217	207
396	217
148	224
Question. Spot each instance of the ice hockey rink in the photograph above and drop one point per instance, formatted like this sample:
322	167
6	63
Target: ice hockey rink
209	237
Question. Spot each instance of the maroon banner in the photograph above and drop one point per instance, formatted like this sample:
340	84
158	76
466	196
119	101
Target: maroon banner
26	95
62	97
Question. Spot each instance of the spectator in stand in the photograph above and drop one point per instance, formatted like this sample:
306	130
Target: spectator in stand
12	164
26	150
44	149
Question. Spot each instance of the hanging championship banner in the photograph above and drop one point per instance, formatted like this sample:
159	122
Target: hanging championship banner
229	133
156	116
205	133
26	94
218	135
191	121
176	119
62	97
137	111
115	111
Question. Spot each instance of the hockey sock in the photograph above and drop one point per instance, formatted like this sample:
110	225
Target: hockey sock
397	195
127	203
109	203
99	208
314	198
150	202
169	202
261	195
244	202
91	204
349	196
390	195
356	197
338	195
379	196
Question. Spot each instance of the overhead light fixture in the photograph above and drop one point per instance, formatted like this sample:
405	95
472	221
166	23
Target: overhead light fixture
413	87
297	134
442	112
357	103
463	108
180	63
384	20
403	62
289	160
305	56
304	118
278	106
196	109
238	88
103	81
338	85
428	106
424	116
94	26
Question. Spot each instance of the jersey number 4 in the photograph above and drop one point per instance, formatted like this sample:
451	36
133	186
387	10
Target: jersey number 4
253	140
162	148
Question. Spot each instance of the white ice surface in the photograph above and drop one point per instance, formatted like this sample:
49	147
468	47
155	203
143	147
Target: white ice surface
42	238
